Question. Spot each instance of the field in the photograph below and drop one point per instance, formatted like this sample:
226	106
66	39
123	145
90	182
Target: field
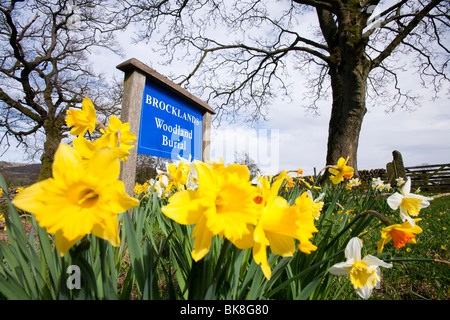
417	278
420	272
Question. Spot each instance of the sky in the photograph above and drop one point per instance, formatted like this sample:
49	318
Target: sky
291	139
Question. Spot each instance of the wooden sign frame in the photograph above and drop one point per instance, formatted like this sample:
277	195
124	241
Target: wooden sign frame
136	75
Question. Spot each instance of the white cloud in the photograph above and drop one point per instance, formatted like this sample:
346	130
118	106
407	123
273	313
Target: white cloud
422	136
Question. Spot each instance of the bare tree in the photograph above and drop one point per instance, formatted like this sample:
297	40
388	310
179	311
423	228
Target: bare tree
243	51
245	159
44	68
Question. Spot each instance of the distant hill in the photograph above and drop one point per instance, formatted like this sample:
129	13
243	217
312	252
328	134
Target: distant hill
20	174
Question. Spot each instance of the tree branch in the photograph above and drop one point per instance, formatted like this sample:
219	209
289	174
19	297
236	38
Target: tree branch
18	106
326	5
404	33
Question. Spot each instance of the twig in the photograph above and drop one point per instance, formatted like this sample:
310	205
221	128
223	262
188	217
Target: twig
418	259
383	195
441	195
379	216
442	261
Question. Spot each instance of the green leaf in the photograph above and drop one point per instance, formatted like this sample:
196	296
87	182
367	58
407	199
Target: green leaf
306	292
13	290
135	251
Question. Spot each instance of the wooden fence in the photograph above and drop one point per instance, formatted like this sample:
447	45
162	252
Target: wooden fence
430	178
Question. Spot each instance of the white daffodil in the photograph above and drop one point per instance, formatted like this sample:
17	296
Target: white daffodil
192	181
409	203
400	181
354	182
257	179
364	273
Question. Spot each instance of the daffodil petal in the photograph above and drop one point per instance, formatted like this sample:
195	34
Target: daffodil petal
353	249
404	216
115	123
65	163
281	245
184	207
115	199
28	199
376	262
108	230
62	244
406	189
365	292
385	238
202	240
205	175
240	170
103	163
395	200
260	257
341	268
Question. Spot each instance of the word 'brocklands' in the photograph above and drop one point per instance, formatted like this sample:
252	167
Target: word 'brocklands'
171	109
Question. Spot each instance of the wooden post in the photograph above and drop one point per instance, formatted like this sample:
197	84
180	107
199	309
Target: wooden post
395	169
206	137
133	87
136	75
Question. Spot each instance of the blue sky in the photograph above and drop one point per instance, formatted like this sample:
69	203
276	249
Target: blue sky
422	136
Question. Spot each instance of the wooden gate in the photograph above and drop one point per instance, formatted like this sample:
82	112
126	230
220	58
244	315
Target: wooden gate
431	178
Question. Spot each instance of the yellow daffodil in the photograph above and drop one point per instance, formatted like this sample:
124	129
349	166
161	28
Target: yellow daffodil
219	164
141	188
290	184
82	120
121	129
317	204
118	136
280	224
409	203
78	199
19	190
88	148
401	234
363	272
222	205
2	219
340	171
178	175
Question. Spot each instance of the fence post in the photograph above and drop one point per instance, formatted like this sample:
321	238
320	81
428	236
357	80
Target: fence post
395	169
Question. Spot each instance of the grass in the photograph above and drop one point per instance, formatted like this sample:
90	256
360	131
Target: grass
413	276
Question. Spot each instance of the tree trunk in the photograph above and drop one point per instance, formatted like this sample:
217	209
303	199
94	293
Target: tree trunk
53	139
348	82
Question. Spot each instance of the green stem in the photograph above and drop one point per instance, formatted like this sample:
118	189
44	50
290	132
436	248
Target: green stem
223	250
379	216
298	275
356	218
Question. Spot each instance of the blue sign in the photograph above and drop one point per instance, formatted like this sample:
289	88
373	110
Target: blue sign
170	127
